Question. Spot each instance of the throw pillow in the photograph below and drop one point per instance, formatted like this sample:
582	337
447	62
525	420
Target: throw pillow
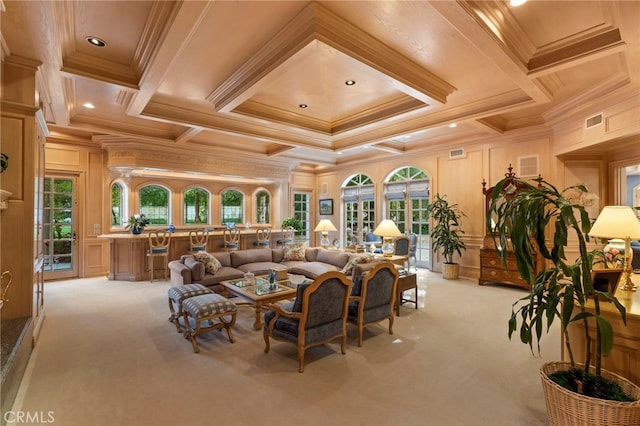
355	260
211	264
297	304
295	252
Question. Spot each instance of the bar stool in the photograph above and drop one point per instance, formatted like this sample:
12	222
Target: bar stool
198	240
264	237
287	237
158	247
231	239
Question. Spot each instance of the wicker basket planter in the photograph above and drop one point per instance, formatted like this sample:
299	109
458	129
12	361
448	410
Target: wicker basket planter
450	271
567	408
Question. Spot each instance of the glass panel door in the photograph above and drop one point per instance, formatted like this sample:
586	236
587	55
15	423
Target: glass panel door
60	250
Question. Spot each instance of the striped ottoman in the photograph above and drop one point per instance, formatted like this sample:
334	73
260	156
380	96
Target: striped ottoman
178	294
216	311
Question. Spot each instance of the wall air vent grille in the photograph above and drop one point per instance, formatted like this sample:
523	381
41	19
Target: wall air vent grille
593	121
528	166
457	153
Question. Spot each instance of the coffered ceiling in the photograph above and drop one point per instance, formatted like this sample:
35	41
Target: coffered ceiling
269	78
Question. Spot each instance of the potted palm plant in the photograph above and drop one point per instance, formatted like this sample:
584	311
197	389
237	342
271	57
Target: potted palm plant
562	291
446	232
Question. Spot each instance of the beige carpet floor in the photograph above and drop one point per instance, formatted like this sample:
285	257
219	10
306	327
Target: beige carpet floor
108	356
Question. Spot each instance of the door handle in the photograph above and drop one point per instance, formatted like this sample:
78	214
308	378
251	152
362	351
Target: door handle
74	236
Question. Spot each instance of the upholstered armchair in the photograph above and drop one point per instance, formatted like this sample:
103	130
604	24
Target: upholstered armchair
402	247
373	297
317	316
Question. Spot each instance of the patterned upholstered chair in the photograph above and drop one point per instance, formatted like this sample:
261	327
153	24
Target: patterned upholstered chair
401	247
373	297
317	316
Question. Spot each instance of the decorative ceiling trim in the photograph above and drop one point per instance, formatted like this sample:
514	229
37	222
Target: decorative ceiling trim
315	22
380	112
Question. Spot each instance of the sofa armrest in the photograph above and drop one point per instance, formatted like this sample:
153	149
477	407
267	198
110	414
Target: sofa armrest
180	273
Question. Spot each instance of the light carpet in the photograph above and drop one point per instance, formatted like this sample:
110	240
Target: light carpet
108	356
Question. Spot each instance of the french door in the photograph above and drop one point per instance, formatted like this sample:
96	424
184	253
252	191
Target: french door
60	227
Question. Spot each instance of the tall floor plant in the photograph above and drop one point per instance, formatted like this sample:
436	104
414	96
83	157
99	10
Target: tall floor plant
561	290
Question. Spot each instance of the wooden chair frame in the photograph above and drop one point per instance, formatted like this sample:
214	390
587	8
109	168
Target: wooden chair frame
159	242
264	237
231	239
198	238
363	297
302	317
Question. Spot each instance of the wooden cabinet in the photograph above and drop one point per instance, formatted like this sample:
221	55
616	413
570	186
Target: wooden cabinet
624	358
492	269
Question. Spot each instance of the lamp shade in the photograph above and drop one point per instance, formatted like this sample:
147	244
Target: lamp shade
325	225
387	228
616	222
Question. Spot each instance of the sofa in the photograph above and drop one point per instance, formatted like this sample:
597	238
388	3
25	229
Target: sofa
308	261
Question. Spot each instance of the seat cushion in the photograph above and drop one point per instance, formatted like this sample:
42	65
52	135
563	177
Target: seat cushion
207	305
182	292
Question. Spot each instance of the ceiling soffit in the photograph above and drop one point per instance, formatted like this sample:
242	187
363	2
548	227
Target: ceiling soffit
414	86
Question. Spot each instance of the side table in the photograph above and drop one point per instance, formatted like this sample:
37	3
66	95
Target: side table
406	282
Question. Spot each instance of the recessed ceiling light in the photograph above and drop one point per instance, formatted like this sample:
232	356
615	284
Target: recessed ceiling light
95	41
88	105
452	125
350	82
516	3
303	106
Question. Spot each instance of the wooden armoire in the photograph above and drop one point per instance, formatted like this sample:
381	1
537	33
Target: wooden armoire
492	270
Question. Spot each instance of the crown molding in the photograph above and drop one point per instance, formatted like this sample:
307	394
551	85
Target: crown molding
315	22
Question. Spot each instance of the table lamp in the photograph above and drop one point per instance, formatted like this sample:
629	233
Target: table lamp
387	230
325	226
619	222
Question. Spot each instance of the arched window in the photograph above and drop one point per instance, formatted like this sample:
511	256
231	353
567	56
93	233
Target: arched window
118	205
358	197
407	196
263	205
232	206
154	203
196	206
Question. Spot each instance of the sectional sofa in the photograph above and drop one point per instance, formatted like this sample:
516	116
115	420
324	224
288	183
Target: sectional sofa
308	261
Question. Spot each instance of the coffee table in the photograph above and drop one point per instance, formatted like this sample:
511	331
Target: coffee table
253	296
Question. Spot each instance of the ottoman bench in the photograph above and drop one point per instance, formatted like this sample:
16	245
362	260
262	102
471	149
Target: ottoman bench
215	310
177	295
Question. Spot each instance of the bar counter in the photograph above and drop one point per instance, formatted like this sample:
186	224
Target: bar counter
128	252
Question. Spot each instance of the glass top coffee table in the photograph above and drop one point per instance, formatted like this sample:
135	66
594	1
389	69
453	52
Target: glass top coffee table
257	295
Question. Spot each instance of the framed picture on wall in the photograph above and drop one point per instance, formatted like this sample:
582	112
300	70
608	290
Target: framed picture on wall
326	206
